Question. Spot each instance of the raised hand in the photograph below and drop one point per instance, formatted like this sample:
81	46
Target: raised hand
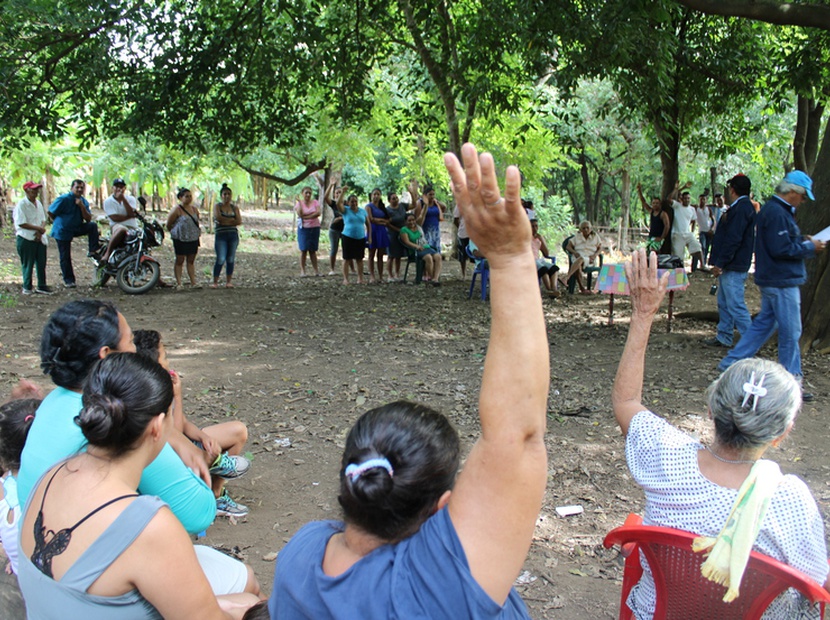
498	226
646	290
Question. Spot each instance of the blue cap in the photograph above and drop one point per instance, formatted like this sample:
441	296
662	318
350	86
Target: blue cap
796	177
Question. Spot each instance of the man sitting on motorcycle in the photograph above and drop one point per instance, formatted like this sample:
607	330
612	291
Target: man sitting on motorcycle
120	209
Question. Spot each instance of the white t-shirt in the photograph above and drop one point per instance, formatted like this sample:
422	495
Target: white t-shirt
663	461
682	218
113	207
462	227
703	219
26	212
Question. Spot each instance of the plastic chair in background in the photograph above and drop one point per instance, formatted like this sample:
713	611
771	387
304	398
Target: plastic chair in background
483	270
412	258
683	593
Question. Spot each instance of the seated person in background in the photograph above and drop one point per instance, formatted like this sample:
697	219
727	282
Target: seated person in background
91	546
413	238
220	444
417	542
15	419
693	487
545	268
120	209
584	247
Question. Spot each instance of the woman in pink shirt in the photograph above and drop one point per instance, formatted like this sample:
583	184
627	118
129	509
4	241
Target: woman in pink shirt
308	232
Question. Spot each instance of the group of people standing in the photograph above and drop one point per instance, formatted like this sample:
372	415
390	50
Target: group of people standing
71	217
385	229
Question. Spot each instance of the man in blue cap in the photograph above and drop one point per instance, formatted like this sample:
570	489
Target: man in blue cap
780	250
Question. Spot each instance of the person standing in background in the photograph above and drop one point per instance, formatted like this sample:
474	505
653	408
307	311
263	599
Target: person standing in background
72	218
30	227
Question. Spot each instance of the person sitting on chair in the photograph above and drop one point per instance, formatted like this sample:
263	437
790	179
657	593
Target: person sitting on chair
120	210
584	247
693	486
413	238
545	268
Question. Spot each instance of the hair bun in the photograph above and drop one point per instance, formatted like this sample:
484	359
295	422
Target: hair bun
102	417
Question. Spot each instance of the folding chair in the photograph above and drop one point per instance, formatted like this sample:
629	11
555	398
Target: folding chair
683	593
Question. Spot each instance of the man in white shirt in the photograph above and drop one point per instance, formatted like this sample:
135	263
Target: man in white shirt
704	226
681	232
30	227
120	209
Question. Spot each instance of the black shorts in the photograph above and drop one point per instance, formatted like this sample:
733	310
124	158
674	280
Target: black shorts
463	257
353	249
185	248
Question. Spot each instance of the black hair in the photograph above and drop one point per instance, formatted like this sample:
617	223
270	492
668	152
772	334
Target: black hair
123	393
147	343
78	182
182	191
257	612
424	452
428	188
389	196
16	417
224	187
741	184
73	337
686	193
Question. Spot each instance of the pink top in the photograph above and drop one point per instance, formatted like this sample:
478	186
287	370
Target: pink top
301	208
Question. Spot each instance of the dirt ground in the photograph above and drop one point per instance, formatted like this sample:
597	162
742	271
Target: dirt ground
299	359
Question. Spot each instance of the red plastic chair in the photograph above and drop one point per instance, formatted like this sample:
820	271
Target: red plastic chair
683	593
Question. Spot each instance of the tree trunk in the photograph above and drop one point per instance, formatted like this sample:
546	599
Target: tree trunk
625	210
668	140
586	186
815	294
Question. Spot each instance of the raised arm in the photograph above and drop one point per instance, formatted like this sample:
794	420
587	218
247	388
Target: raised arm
646	294
498	495
643	200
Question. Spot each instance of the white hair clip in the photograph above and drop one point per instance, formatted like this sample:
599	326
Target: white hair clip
754	389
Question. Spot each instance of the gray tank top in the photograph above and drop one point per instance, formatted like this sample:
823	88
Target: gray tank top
47	598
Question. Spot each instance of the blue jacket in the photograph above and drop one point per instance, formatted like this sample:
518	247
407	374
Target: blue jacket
734	237
780	249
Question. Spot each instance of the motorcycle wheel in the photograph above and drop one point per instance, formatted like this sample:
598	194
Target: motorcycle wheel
135	280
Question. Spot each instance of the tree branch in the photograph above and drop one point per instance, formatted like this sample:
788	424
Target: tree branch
770	11
310	168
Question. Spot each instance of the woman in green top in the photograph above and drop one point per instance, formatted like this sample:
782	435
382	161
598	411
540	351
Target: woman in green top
412	237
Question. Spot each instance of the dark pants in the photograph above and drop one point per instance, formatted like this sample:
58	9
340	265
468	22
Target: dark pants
32	256
88	229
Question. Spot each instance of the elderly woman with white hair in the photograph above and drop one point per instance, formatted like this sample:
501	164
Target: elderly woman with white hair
699	487
584	248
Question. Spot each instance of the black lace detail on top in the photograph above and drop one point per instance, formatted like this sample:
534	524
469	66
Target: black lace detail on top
45	551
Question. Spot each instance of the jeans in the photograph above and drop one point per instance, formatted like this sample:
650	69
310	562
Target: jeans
225	244
731	306
704	246
88	229
781	310
334	241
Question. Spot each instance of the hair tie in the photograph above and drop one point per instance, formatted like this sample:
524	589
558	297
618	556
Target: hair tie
752	389
28	417
354	471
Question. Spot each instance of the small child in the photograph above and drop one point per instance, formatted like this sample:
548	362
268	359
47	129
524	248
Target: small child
221	444
15	419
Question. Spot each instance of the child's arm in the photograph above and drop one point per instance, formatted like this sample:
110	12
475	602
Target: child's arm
186	427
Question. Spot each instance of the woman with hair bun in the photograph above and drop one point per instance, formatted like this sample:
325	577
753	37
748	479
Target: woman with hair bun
91	546
417	541
183	224
226	219
719	489
77	335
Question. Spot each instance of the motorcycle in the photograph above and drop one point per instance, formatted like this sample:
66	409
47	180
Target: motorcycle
131	265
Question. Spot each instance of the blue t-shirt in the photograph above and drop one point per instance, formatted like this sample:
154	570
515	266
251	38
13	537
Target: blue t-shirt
68	218
54	436
354	223
425	576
